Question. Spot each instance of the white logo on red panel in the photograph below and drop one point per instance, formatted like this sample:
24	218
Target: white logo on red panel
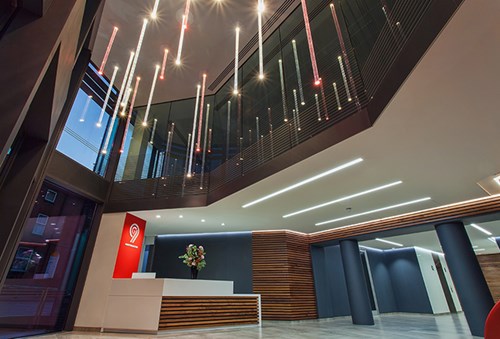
134	232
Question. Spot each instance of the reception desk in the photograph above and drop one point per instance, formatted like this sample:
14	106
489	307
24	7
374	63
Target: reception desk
153	305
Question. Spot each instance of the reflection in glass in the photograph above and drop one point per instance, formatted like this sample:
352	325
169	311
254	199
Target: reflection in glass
40	283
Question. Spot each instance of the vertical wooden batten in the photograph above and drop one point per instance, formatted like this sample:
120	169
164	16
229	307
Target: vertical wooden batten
282	275
490	264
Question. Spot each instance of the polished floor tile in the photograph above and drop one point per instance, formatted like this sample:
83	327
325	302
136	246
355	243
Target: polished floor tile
400	326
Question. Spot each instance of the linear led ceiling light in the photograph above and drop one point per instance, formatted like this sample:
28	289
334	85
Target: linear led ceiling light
428	251
283	95
191	149
202	103
137	52
389	242
317	79
185	19
151	94
164	64
355	195
117	104
236	59
373	211
129	117
154	13
108	94
304	182
479	228
108	50
260	10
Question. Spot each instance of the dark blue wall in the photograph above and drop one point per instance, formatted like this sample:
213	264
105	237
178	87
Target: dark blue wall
329	281
398	281
407	281
382	281
229	257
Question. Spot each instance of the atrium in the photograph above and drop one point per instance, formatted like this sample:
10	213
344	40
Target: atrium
337	161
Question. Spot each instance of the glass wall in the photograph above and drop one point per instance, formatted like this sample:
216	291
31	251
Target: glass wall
310	83
265	118
41	280
85	133
7	8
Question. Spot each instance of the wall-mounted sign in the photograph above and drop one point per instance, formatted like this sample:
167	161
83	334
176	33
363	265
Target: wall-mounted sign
129	252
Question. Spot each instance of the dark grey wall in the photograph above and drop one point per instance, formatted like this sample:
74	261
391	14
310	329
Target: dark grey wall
398	281
329	281
229	257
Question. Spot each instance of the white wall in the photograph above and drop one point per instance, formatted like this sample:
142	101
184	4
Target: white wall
432	282
99	277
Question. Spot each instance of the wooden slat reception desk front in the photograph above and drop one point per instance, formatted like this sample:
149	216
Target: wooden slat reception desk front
152	305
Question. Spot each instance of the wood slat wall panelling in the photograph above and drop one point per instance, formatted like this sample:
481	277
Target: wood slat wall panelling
282	275
191	312
490	264
436	215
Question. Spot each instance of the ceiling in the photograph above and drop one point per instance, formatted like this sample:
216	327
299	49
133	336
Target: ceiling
430	241
208	43
439	136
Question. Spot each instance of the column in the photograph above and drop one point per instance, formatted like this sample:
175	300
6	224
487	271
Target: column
498	241
359	301
467	275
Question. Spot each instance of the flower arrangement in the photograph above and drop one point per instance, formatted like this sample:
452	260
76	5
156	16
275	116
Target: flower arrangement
194	257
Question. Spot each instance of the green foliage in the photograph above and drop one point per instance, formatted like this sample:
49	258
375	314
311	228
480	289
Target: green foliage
194	257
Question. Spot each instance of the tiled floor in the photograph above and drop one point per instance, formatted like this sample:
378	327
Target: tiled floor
401	326
7	333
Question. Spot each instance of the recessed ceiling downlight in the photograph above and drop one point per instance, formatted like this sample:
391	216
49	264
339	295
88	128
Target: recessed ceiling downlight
304	182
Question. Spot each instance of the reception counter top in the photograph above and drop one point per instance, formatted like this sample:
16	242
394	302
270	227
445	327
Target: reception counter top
152	305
